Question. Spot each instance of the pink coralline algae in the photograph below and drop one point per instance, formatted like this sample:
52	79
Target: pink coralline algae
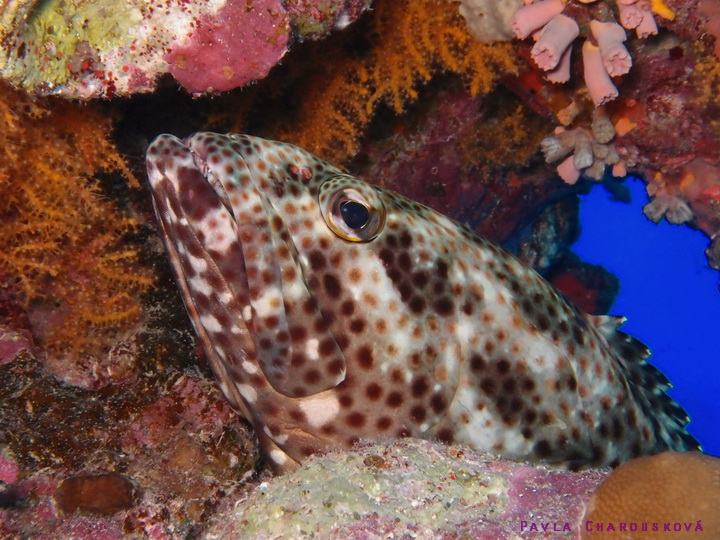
603	53
209	58
145	459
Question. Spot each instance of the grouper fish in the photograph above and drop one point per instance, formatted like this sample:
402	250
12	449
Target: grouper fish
332	311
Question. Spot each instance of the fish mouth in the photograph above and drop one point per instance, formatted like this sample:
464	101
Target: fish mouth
199	153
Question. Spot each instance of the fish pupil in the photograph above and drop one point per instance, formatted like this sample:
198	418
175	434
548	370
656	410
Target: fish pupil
354	214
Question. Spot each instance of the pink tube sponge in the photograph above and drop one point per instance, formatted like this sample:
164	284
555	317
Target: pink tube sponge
533	16
610	37
554	40
568	171
630	15
647	26
561	73
597	80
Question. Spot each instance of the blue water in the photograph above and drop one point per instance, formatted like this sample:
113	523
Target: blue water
669	295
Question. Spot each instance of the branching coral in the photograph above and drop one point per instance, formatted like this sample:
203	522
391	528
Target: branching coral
61	242
410	42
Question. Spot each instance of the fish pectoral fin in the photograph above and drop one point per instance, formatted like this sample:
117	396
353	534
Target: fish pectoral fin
279	461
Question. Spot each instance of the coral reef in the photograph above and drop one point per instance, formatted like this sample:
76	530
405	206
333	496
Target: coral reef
459	154
64	255
408	42
97	494
209	59
151	458
313	19
604	57
647	497
591	150
489	20
163	428
86	49
462	156
660	125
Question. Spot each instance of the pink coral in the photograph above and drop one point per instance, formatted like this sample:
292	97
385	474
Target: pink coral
533	16
630	13
555	39
597	80
647	26
610	37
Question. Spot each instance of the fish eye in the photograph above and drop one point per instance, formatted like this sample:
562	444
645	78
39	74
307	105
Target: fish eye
352	209
354	214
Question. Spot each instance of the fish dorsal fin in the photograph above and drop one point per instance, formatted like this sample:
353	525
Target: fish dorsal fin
607	324
649	385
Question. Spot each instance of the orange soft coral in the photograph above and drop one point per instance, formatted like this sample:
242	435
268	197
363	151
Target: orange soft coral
410	42
673	494
61	241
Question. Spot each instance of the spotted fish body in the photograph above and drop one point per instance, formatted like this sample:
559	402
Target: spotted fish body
332	310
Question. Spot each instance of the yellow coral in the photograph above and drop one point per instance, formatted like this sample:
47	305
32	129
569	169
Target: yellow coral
410	42
61	241
516	133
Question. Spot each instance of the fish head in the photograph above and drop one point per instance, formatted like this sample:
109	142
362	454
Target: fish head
300	276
